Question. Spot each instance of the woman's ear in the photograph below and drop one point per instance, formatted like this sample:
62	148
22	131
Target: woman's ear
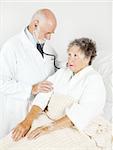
87	60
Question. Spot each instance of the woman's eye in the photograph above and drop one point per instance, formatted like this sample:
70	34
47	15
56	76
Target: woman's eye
75	55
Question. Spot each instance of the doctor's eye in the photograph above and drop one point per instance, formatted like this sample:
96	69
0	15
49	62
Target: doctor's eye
69	54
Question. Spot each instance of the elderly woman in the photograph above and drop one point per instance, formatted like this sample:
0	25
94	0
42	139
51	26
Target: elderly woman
62	118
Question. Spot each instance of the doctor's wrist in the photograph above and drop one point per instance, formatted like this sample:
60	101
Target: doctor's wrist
34	90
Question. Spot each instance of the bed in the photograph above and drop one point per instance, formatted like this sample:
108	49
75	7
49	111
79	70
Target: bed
97	135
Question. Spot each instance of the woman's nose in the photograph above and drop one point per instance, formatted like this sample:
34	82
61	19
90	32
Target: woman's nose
71	59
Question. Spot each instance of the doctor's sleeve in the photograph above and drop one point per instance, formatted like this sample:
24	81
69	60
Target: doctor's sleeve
90	105
9	85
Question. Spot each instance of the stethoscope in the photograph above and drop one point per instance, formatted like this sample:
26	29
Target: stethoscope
51	55
40	49
54	57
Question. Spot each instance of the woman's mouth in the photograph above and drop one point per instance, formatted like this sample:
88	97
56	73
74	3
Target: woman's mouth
71	65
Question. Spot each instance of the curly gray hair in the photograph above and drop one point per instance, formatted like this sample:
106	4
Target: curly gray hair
87	46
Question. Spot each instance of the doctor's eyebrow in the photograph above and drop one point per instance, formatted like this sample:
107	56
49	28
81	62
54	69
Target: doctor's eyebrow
51	32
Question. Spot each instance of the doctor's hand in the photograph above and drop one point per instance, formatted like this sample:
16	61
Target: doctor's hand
21	130
44	86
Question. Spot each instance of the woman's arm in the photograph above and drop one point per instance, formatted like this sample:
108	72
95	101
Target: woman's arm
91	103
58	124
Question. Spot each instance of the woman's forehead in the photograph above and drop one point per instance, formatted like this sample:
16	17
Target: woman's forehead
75	49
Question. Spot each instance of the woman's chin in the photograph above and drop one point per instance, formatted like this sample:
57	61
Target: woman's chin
71	68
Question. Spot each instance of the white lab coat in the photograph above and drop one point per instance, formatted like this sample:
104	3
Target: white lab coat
21	66
86	88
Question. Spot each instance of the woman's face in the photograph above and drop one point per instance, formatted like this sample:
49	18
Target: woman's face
76	59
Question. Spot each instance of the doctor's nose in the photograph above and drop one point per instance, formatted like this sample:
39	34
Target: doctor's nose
48	36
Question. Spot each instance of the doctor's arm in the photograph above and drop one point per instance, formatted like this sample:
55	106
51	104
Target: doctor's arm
9	85
44	86
39	104
23	127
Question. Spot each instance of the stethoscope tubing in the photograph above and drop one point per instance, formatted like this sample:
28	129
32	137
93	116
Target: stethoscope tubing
54	59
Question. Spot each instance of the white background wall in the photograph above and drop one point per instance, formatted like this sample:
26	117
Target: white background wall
75	19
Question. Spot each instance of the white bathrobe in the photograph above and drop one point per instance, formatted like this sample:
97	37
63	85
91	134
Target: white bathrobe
21	66
87	90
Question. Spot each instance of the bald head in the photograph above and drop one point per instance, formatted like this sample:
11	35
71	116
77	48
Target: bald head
45	16
43	24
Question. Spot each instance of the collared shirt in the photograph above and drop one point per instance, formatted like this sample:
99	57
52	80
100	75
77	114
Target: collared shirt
31	38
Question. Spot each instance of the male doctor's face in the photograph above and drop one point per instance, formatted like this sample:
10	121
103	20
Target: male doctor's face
43	32
76	59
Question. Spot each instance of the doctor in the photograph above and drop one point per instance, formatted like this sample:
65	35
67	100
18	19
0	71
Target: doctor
25	62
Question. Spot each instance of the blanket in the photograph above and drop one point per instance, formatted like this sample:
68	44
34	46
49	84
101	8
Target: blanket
97	135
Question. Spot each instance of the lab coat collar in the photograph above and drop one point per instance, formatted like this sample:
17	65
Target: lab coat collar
30	36
29	46
26	40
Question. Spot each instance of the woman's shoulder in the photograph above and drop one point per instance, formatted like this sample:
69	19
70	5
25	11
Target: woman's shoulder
94	76
92	72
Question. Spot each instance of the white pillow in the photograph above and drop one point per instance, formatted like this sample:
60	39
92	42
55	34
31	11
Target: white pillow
103	65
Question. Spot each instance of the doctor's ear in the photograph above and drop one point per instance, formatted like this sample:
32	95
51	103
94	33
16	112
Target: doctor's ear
36	23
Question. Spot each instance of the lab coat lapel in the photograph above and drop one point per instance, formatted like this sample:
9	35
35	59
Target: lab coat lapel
34	53
29	46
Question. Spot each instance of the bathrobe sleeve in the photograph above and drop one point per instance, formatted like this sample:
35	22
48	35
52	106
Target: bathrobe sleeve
42	99
9	86
91	103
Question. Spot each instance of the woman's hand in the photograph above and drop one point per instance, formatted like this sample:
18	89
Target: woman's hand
38	132
58	124
21	130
